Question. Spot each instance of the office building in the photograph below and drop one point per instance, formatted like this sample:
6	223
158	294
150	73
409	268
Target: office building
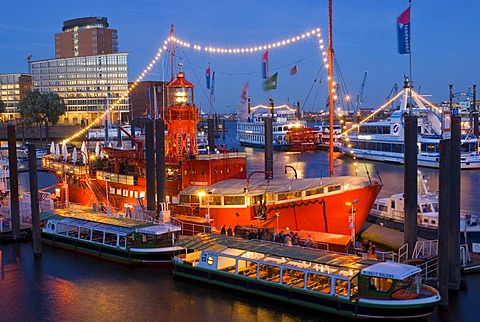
13	88
87	36
88	85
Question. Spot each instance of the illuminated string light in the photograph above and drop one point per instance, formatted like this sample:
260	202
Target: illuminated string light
209	49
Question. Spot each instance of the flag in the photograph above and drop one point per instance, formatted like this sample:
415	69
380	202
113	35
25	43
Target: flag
265	65
208	77
212	88
243	115
403	31
271	82
294	70
148	93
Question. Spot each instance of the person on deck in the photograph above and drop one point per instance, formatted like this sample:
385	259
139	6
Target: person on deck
229	231
223	231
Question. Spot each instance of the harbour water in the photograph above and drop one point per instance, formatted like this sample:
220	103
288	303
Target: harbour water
62	286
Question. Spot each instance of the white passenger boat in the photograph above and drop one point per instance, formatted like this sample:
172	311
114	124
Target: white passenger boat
123	240
383	140
336	283
251	131
390	212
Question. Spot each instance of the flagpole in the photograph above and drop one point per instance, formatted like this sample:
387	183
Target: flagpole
330	86
410	58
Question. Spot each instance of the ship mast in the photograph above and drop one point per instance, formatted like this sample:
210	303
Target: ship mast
172	52
330	87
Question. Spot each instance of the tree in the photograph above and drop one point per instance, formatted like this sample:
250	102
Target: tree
38	108
2	107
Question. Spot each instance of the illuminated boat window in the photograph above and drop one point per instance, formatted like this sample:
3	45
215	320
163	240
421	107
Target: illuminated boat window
97	236
341	287
247	268
315	191
318	282
73	231
119	192
269	273
110	239
226	264
335	188
233	200
85	233
293	277
62	229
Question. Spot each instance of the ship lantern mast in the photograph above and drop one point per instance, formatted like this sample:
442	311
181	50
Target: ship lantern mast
181	119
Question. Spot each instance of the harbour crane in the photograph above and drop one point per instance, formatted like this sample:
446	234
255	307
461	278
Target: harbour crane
29	60
361	96
393	93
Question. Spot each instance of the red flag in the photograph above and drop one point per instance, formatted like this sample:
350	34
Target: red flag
265	65
294	70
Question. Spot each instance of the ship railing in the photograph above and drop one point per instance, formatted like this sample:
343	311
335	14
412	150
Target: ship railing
324	247
49	162
386	256
425	248
219	156
429	269
464	255
189	229
402	253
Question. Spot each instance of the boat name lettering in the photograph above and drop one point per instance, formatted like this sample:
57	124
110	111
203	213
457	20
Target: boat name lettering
378	274
396	128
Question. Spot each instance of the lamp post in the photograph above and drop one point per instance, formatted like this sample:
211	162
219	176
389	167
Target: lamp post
107	208
351	219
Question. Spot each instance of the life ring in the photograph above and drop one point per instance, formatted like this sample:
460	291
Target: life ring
404	295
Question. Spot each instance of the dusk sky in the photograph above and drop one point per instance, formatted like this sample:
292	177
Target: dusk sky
445	44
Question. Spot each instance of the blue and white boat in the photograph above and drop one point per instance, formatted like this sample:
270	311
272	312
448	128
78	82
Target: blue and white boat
383	140
251	130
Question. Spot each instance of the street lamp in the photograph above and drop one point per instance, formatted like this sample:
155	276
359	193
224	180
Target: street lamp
351	219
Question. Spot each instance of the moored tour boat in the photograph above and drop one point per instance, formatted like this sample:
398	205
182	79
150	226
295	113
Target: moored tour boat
383	140
302	139
336	283
390	212
122	240
251	129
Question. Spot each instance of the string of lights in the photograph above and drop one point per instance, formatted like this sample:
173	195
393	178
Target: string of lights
209	49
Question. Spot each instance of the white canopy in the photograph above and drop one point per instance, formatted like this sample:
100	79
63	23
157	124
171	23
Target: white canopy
394	270
64	151
57	151
74	155
84	152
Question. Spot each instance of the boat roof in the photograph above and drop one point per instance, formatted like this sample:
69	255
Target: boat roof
260	186
392	270
94	225
158	229
111	223
221	243
97	218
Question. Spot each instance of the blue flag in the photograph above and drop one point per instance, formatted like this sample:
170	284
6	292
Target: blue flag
403	30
